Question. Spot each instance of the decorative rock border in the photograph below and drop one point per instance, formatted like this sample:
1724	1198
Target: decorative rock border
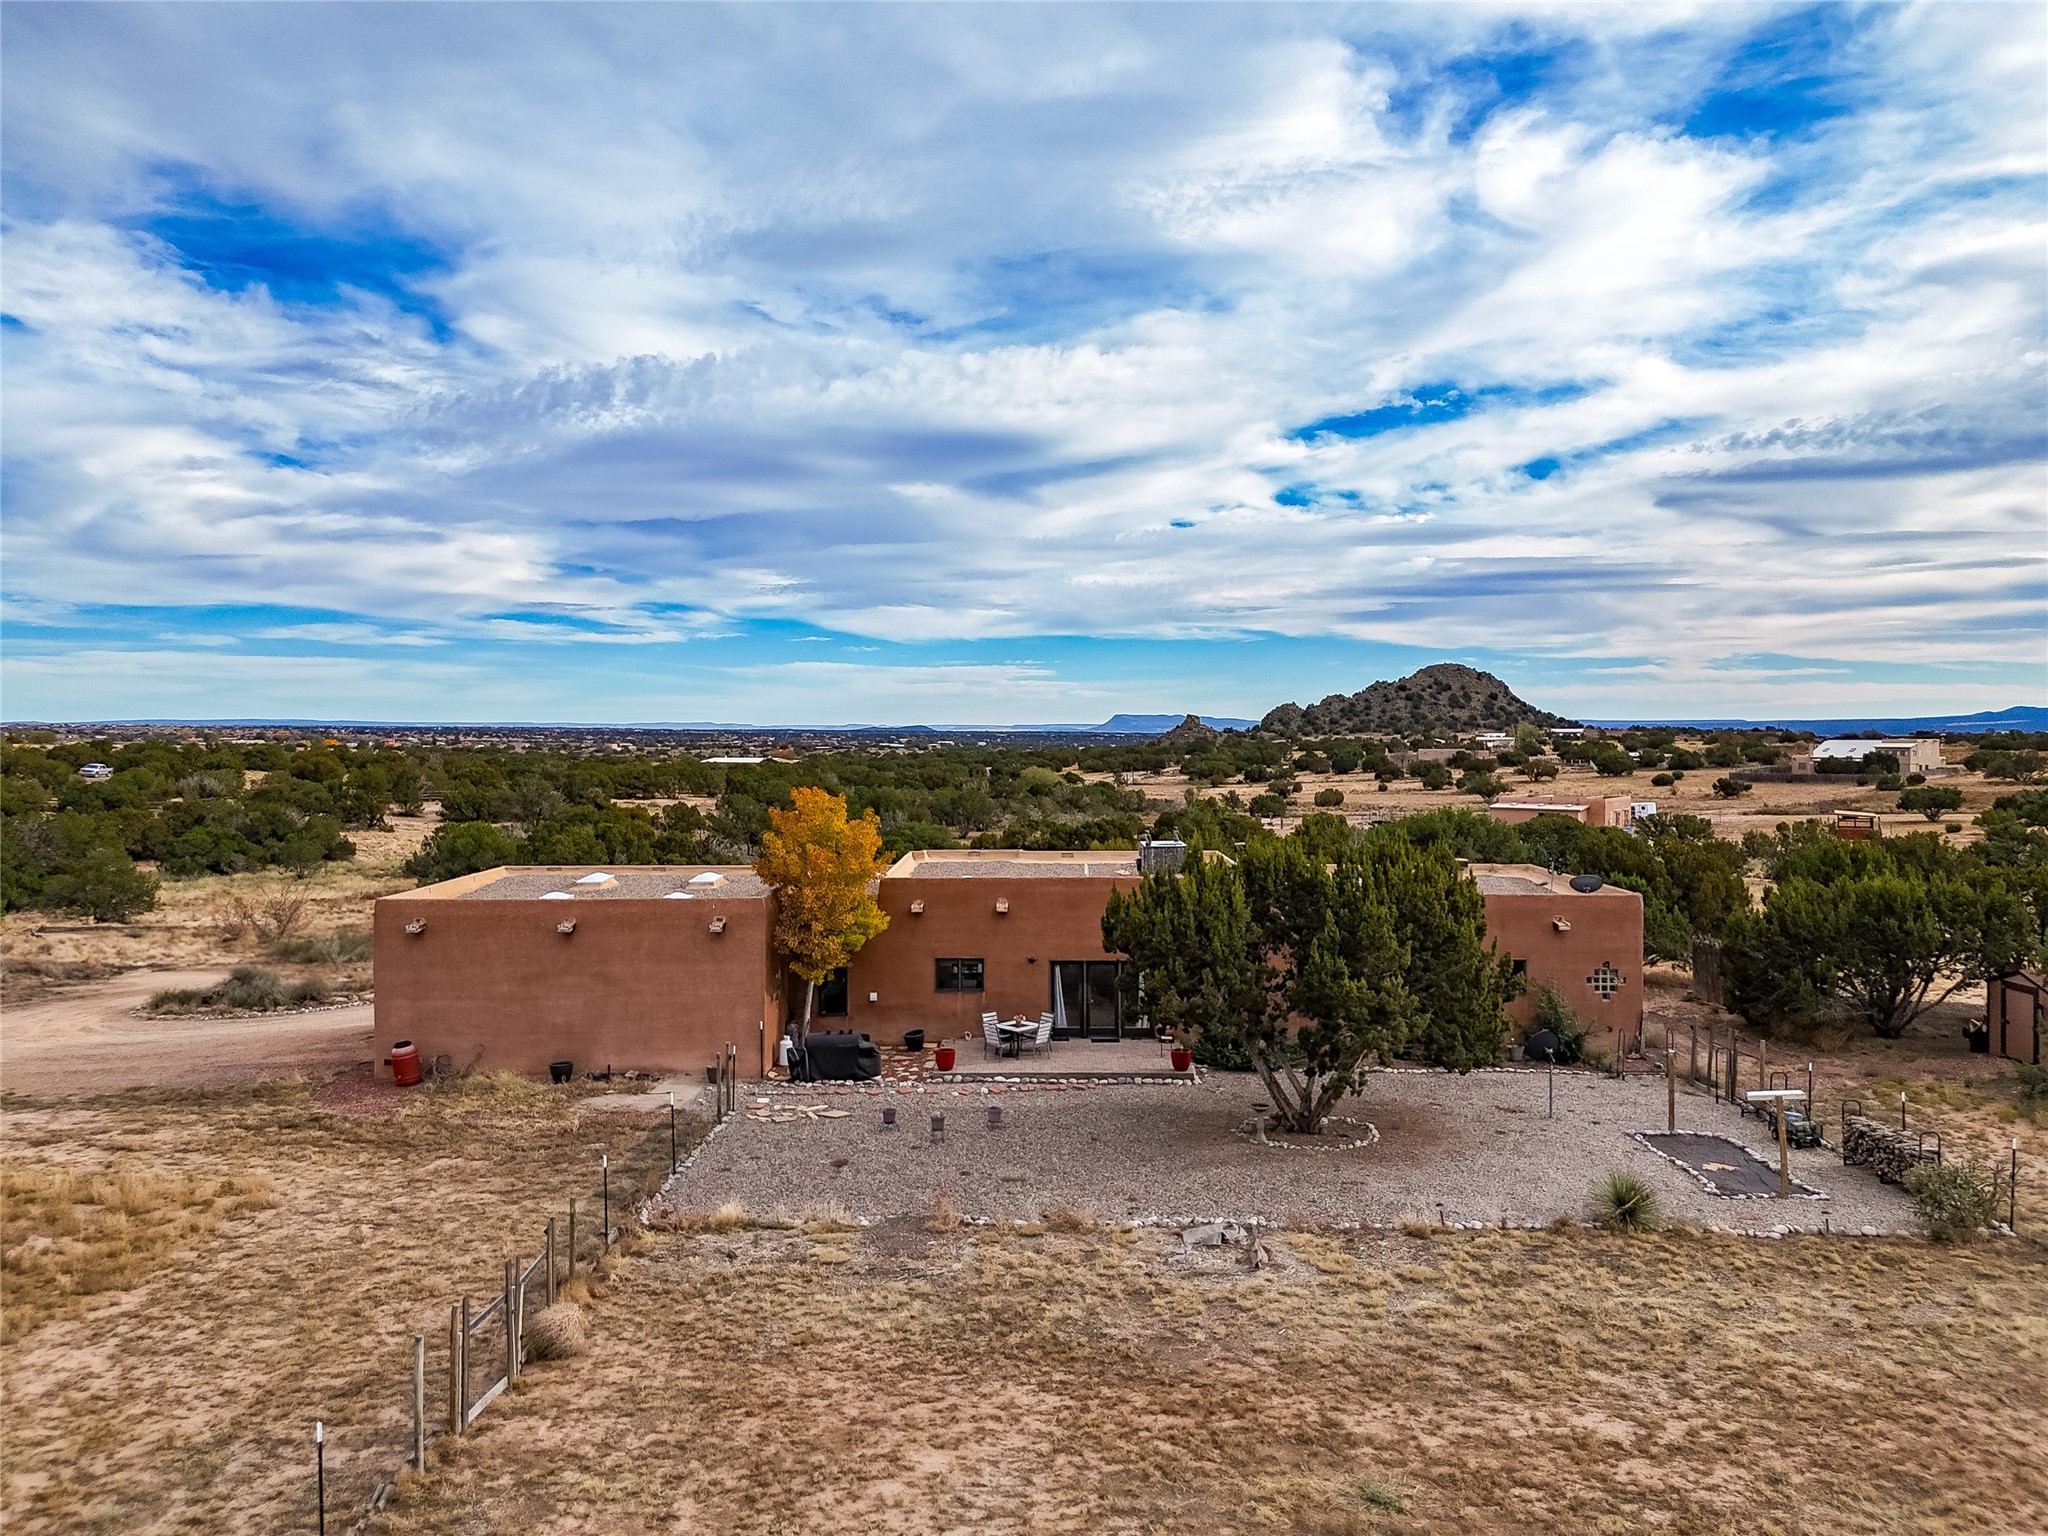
1365	1134
354	1000
1801	1189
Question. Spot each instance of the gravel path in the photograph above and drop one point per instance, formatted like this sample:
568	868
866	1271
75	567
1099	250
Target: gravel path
1479	1144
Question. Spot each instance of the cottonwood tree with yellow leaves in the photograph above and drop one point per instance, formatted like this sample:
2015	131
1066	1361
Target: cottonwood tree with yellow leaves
821	862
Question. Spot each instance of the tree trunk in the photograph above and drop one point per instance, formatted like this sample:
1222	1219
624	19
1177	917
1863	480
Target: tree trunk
803	1027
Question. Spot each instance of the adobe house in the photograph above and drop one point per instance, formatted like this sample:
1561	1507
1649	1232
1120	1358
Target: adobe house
991	931
1600	811
1585	945
514	968
659	968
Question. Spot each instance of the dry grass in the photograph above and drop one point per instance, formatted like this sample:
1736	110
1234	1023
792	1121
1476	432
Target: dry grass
559	1332
70	1234
1482	1383
945	1213
181	1402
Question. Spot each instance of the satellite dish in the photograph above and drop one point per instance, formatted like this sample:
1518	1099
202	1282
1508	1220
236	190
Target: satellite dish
1586	885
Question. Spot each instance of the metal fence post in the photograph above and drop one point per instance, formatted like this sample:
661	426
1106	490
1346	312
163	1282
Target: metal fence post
511	1322
454	1368
551	1261
419	1402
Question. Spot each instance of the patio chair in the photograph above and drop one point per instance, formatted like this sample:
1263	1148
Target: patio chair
1043	1039
991	1035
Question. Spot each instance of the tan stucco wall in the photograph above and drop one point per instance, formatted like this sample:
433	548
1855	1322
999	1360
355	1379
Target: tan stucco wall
1049	919
1606	925
642	984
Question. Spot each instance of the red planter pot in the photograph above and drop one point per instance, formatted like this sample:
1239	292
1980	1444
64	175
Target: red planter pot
943	1058
1183	1059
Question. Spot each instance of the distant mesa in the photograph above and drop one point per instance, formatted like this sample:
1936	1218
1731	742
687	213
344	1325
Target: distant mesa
1443	697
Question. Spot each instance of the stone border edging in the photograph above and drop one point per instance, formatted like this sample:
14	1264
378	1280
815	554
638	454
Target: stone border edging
1806	1190
1371	1136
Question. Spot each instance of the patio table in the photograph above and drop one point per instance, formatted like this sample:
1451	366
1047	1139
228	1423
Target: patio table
1014	1035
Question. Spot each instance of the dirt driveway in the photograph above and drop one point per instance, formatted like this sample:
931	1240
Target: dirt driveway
90	1039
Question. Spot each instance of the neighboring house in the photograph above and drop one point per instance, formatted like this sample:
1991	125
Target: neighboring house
1587	946
95	771
2016	1009
1916	754
1601	811
660	968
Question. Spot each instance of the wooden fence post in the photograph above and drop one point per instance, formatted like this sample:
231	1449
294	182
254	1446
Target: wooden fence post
551	1261
1692	1057
572	1237
1670	1091
419	1402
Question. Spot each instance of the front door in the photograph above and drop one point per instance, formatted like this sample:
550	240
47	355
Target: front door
1088	990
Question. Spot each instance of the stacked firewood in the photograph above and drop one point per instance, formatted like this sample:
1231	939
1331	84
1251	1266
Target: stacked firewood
1886	1151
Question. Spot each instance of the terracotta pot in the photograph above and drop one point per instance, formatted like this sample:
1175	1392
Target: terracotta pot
943	1058
1183	1058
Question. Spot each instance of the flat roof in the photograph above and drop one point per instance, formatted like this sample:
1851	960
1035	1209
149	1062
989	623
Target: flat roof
628	882
1015	864
1530	880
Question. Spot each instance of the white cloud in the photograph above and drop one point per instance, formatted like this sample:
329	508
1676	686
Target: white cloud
937	328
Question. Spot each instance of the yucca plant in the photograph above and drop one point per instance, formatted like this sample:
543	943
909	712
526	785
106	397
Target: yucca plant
1626	1203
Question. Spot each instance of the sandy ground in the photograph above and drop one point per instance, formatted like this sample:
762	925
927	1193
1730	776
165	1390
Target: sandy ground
90	1038
891	1381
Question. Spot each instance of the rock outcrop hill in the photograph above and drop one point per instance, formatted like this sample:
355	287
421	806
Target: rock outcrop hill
1444	697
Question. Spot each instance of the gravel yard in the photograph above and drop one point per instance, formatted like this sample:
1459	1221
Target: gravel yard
1480	1145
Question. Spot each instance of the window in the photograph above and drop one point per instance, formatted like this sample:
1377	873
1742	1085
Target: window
957	976
1606	981
1520	968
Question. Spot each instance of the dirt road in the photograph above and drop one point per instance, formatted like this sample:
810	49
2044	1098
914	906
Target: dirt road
89	1039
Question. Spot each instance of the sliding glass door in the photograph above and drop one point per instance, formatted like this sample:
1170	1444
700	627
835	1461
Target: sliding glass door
1085	1001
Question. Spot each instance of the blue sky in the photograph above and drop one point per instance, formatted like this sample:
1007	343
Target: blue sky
987	364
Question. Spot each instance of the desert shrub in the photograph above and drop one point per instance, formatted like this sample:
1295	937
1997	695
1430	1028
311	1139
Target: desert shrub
945	1213
1663	781
344	946
1268	805
1331	796
1555	1014
1624	1202
1728	788
104	885
1955	1200
248	988
1433	775
2033	1084
557	1333
1070	1218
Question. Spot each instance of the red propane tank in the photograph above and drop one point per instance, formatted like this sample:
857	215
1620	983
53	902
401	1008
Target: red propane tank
405	1064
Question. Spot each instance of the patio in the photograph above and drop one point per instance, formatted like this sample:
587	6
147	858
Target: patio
1062	1058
